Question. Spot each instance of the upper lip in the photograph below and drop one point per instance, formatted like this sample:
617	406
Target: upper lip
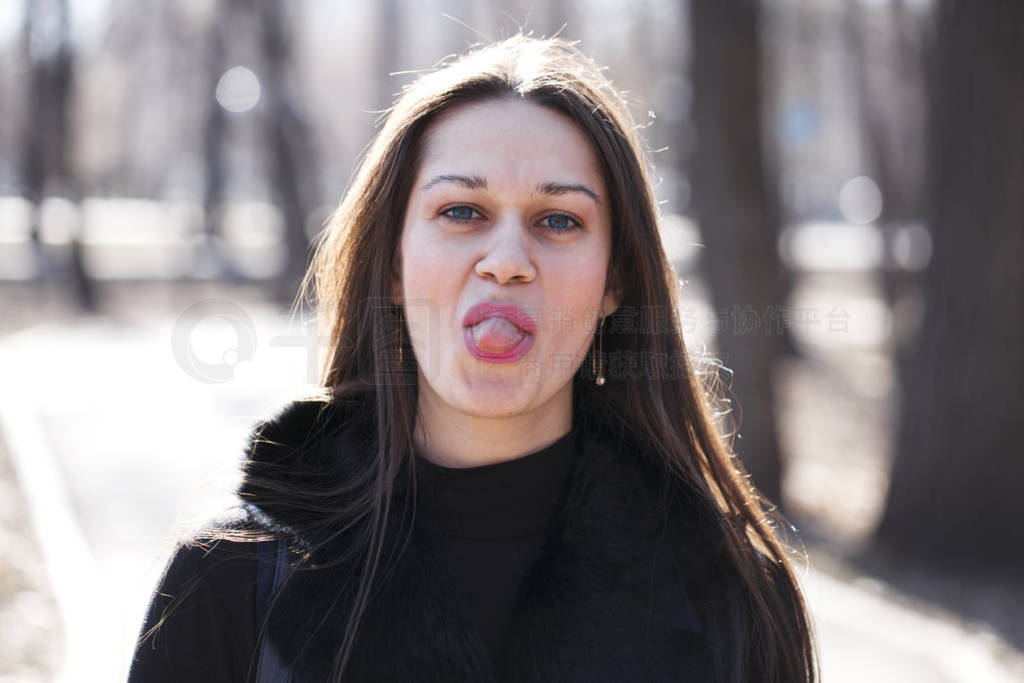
510	312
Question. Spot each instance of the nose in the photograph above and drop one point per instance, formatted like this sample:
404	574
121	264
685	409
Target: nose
507	258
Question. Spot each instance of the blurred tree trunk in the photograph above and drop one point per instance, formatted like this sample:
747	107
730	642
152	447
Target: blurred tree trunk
214	133
885	53
388	34
955	490
737	210
47	135
293	173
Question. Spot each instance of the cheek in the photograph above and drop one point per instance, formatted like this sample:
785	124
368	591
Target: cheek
430	282
575	298
426	265
584	281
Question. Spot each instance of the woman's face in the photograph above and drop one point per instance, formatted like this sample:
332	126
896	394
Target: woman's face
504	256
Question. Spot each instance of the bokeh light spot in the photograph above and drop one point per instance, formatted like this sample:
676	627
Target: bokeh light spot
238	90
860	200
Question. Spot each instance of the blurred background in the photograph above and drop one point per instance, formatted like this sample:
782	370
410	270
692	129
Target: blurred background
842	190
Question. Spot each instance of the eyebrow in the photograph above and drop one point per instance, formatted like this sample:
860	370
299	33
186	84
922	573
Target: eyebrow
477	183
470	182
563	188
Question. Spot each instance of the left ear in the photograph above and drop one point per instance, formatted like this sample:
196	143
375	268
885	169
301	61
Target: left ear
610	303
612	297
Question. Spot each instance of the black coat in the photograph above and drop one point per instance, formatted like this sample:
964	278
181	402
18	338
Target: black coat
630	586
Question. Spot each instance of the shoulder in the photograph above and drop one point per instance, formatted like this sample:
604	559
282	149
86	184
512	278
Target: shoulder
655	498
217	560
681	532
202	622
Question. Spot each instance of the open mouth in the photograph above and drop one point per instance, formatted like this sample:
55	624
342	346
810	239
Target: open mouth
498	333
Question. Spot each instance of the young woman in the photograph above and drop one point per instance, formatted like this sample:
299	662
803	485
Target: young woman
512	474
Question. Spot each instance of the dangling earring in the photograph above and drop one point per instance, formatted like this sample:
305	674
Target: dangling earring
597	361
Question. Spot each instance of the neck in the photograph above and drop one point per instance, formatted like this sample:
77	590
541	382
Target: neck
451	438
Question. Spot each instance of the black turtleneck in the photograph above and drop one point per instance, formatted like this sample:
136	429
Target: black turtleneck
492	521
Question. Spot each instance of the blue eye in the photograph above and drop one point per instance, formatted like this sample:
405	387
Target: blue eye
559	222
460	213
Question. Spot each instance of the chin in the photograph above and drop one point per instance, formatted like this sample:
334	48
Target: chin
498	397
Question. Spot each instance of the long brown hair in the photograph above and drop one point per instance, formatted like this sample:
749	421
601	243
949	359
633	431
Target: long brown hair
664	405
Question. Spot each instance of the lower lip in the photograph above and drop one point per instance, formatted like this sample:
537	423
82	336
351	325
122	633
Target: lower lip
509	356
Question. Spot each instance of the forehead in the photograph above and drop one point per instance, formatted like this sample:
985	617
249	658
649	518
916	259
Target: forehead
509	139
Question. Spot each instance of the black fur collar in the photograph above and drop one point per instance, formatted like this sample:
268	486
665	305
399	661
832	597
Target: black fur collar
611	599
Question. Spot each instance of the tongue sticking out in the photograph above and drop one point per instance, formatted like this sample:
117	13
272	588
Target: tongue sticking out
495	335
